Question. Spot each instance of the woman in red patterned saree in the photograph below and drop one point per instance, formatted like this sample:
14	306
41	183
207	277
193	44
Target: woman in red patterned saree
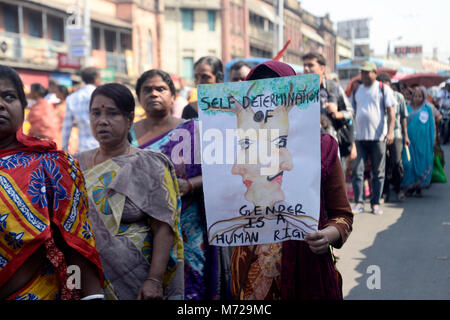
47	248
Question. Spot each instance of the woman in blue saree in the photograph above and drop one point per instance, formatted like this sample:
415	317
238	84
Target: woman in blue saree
421	131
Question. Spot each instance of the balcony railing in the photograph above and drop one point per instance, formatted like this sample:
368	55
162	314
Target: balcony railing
116	61
30	49
44	52
261	34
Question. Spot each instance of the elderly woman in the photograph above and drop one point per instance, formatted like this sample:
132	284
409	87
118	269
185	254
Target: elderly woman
421	131
178	139
135	204
44	224
297	269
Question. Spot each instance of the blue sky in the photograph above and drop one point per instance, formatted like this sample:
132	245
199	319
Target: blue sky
425	23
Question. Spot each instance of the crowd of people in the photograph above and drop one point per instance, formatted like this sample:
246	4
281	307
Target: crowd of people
396	137
92	183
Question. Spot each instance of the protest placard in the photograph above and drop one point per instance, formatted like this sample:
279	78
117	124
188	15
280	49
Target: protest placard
261	159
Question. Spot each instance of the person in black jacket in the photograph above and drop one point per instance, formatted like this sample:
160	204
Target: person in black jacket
336	110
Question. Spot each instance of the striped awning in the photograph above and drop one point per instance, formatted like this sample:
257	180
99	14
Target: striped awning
313	35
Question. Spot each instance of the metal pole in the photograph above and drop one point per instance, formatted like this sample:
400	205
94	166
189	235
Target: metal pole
87	31
280	25
178	31
388	48
21	26
44	25
352	36
275	32
21	30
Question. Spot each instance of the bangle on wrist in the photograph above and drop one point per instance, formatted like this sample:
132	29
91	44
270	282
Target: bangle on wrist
94	297
154	280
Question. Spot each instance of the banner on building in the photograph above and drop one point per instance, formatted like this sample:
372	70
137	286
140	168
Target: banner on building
107	75
98	59
408	50
77	39
261	159
66	62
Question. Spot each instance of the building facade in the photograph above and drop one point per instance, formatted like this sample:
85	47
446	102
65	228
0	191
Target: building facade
192	29
124	38
128	37
343	49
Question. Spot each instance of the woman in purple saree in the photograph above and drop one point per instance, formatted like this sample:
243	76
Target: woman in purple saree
178	139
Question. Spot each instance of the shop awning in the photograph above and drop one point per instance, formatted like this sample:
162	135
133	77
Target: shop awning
261	10
311	34
32	76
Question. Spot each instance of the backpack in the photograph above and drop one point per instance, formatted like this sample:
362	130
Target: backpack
344	128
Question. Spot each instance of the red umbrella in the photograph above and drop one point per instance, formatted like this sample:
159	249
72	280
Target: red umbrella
429	79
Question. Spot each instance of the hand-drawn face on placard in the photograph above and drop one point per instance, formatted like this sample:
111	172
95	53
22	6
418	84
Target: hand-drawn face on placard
267	190
269	134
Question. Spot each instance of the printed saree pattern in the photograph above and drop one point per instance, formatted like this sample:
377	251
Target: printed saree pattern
105	183
193	224
40	186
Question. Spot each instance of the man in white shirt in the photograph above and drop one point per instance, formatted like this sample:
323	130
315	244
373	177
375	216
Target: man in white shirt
77	111
374	128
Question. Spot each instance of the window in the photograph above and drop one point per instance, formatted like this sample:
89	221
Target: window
188	68
125	41
10	18
211	20
95	37
34	23
55	27
110	41
187	19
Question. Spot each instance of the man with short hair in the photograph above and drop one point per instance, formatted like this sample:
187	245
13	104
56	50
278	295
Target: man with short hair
336	110
374	102
239	71
394	166
52	90
77	111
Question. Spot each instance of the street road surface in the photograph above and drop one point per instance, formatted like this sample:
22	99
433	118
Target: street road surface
403	254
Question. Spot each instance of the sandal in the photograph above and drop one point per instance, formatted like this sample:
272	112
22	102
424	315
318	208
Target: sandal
358	208
418	193
376	210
